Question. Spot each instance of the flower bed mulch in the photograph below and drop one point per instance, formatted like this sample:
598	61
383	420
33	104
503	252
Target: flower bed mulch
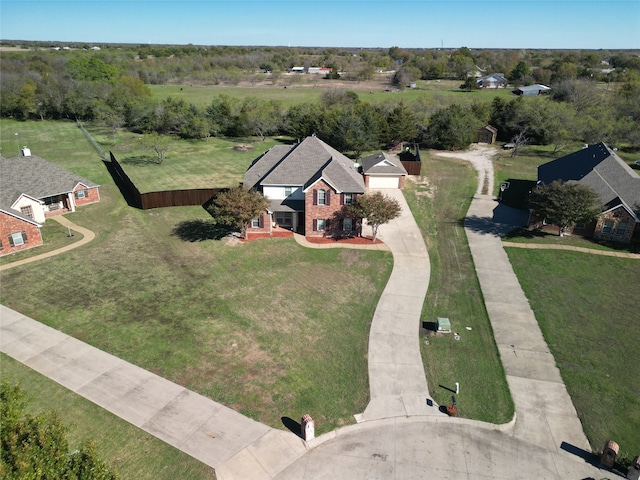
351	240
284	233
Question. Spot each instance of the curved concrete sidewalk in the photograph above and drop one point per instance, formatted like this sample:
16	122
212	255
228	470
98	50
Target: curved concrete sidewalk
592	251
87	236
545	414
396	373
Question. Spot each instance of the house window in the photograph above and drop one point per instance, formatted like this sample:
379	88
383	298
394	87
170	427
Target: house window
322	197
27	211
81	193
622	228
284	219
288	191
348	198
18	238
1	246
255	223
580	226
321	224
347	224
608	226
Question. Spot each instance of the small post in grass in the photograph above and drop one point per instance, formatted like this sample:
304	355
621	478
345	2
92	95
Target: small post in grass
69	234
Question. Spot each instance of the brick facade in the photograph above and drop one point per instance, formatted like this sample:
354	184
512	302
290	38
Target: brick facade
266	226
92	195
610	226
10	224
333	204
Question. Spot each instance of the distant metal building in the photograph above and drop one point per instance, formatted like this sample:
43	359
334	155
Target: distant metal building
532	90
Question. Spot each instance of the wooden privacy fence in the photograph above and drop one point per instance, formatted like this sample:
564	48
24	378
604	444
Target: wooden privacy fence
411	162
165	198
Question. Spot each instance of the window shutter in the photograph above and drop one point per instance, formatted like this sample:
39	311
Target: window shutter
328	198
315	224
342	199
11	241
315	196
24	237
261	221
326	223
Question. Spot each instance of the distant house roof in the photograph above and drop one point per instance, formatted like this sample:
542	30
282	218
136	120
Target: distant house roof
382	164
35	177
494	78
304	164
535	89
600	168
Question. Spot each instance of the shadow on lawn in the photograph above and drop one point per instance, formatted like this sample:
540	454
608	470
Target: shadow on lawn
199	231
140	161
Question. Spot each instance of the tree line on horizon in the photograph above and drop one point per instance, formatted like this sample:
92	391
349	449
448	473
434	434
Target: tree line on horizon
109	88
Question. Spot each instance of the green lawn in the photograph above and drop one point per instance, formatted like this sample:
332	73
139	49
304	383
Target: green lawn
310	89
211	163
268	328
587	308
135	453
454	292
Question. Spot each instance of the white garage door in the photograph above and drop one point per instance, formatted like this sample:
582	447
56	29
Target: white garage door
383	182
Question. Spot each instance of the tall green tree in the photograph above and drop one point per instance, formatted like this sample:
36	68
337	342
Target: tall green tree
453	128
377	208
566	204
36	447
236	207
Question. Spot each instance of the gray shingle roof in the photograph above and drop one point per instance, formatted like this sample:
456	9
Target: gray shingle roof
303	164
601	169
382	164
35	177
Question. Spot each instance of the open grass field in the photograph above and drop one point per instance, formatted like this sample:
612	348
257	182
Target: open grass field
587	307
454	292
211	163
135	453
309	88
268	328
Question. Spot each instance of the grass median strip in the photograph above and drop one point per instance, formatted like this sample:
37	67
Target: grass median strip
439	203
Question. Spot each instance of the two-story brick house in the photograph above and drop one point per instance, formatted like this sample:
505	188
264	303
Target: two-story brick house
32	190
307	184
615	182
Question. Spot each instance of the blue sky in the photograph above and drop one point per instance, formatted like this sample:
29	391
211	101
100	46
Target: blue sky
596	24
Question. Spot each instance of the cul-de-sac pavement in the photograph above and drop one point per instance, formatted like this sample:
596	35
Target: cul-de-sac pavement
402	434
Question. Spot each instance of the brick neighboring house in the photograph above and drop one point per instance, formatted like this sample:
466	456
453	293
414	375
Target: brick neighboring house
32	190
307	183
615	182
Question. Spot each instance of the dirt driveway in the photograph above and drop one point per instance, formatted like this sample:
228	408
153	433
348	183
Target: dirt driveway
480	155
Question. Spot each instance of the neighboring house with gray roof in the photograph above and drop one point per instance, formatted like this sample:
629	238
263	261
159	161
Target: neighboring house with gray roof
32	190
308	184
615	182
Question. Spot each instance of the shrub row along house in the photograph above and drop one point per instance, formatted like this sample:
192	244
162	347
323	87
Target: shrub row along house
309	183
32	190
615	182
